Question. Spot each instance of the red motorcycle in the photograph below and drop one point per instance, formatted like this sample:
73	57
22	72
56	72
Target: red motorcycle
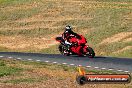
78	47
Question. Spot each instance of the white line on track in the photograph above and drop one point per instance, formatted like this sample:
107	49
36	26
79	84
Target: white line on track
88	66
10	57
38	60
79	65
96	67
110	69
72	64
47	61
64	63
29	59
54	62
19	58
126	71
103	68
119	70
1	56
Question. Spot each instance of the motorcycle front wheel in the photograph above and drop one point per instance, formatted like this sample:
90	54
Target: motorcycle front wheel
91	53
63	51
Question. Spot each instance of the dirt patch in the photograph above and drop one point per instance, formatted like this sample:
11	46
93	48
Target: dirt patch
128	40
116	38
19	42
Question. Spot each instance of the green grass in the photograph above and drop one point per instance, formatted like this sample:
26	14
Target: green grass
4	49
114	0
8	70
2	63
5	71
16	71
100	71
113	47
106	23
49	66
13	2
108	0
124	54
29	33
17	14
35	64
26	80
53	50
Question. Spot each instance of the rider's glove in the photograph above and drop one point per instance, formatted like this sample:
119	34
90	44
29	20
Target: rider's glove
68	43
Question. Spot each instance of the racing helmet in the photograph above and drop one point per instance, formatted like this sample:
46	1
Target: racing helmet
68	29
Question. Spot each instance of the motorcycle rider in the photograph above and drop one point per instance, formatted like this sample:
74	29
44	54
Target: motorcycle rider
72	43
66	35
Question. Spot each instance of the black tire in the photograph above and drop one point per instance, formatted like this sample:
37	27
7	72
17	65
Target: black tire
81	80
61	49
91	52
66	54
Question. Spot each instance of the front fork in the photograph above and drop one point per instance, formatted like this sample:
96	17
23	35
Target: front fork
85	49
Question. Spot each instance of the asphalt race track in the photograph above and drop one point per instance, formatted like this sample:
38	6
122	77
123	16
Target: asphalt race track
103	63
